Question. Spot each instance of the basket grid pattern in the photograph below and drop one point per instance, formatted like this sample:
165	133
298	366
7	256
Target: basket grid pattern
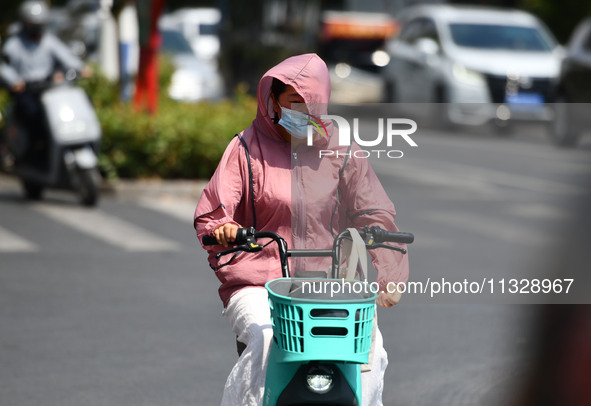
290	322
363	328
288	325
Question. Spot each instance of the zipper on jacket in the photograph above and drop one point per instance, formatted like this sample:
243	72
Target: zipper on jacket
300	217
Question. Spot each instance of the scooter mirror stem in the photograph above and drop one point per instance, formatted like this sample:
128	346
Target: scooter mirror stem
71	75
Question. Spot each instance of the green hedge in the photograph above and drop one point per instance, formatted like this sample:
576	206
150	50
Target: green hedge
180	141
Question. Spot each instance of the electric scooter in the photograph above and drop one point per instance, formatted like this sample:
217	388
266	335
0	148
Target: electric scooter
65	155
322	327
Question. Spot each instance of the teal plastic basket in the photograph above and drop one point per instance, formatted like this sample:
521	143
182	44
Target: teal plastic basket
313	322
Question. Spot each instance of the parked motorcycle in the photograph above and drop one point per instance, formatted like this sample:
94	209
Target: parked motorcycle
322	334
64	156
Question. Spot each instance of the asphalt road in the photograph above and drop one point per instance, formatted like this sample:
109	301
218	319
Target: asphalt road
116	305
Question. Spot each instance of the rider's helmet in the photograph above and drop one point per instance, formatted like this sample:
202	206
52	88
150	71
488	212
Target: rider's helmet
34	14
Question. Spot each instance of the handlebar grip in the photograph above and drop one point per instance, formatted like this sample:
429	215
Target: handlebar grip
209	240
241	237
392	236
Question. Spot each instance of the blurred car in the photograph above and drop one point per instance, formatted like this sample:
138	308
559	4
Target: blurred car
486	63
356	38
200	28
352	45
194	79
573	97
351	85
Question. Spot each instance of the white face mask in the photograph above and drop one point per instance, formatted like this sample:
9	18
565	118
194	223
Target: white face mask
294	122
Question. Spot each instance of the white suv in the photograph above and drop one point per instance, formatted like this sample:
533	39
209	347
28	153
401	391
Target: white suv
487	63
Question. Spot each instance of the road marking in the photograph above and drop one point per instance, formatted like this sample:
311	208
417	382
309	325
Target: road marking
490	227
11	242
109	229
476	179
539	211
179	209
575	160
433	177
530	183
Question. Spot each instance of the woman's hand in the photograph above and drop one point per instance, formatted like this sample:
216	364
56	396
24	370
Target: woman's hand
387	299
18	87
226	233
86	72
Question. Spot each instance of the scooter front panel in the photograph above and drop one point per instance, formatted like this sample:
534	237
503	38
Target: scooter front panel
70	115
286	383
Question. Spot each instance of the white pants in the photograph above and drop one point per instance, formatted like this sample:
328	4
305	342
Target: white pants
250	317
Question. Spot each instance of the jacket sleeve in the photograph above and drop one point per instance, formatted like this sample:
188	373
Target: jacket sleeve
367	204
63	55
222	195
8	74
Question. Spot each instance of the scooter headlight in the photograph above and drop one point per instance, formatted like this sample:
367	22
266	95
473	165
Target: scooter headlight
66	114
319	379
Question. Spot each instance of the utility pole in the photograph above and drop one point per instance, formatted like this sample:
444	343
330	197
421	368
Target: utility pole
146	93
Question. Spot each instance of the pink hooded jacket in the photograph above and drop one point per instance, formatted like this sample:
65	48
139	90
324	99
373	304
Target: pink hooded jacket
296	194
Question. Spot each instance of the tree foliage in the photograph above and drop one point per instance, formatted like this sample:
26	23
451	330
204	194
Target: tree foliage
561	16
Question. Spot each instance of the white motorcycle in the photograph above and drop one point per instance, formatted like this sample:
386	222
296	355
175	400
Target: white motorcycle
65	156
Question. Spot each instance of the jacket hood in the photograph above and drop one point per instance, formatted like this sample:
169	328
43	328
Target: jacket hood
307	74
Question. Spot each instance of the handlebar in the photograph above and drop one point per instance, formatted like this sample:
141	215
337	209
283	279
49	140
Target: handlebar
374	237
243	236
246	240
37	86
381	235
209	240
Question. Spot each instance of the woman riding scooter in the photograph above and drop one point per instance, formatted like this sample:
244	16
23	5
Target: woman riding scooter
252	187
